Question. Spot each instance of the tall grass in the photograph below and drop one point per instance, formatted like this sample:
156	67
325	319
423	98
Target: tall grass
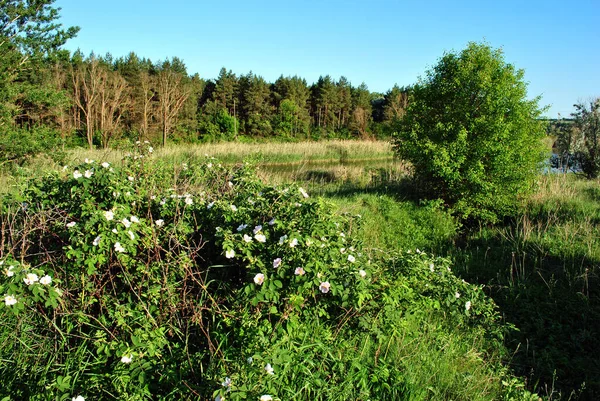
542	267
270	152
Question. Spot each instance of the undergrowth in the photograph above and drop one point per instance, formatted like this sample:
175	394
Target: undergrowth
153	280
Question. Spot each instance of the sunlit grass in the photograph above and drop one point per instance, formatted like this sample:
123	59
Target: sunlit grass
233	152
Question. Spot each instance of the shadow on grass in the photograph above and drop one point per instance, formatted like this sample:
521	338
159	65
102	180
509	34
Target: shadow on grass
402	190
543	272
554	302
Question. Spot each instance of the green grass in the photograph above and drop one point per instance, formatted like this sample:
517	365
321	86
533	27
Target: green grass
395	331
270	152
541	267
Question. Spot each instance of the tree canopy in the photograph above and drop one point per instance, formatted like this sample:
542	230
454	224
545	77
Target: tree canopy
472	134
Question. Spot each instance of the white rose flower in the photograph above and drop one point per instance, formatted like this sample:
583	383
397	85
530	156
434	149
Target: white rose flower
299	271
109	215
71	224
77	174
260	238
46	280
230	254
269	369
119	247
31	278
324	287
259	278
351	259
126	358
159	222
362	273
9	300
96	240
88	173
9	271
226	383
106	165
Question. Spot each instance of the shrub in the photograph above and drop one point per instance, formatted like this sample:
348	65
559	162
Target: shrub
18	145
472	134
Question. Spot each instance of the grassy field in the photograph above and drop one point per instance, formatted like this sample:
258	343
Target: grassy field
540	267
285	152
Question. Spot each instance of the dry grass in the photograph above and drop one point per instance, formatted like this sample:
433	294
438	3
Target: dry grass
266	152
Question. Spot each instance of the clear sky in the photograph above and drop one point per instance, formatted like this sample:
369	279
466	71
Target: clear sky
381	43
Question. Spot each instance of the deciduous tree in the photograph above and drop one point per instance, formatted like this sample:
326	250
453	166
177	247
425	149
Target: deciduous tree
587	120
472	134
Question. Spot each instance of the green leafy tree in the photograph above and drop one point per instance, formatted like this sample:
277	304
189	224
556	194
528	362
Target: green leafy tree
362	110
587	121
225	92
325	99
472	135
291	96
29	34
256	105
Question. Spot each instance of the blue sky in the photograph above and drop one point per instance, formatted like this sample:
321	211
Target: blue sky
381	43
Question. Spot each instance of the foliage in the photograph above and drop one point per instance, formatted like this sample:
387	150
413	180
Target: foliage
542	268
28	34
157	281
587	121
18	145
472	135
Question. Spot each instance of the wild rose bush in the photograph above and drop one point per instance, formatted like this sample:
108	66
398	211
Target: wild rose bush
196	281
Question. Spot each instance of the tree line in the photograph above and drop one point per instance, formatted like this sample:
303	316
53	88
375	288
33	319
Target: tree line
100	100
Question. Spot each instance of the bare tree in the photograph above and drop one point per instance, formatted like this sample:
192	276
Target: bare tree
86	87
172	94
112	102
146	102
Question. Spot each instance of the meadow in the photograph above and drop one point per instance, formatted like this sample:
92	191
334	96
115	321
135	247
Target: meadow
394	299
